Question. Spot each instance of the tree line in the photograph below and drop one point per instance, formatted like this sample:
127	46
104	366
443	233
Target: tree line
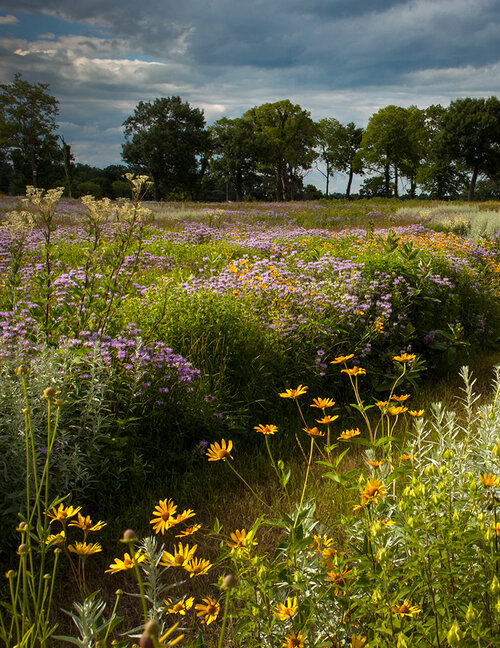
266	154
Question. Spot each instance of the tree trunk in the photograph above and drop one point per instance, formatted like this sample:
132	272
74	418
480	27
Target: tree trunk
349	183
396	179
413	187
387	177
156	186
472	186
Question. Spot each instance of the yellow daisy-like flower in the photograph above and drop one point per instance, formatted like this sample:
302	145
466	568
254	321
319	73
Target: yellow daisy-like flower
407	457
63	513
406	609
400	399
340	359
285	611
127	563
314	432
266	429
358	641
375	464
388	523
86	524
181	607
164	642
322	403
294	393
220	452
208	610
379	326
164	516
355	371
349	434
56	539
197	566
340	579
85	549
496	527
189	531
327	419
396	411
416	413
185	515
240	539
404	357
373	491
295	640
489	479
382	404
181	555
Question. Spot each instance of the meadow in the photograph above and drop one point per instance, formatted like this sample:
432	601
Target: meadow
250	392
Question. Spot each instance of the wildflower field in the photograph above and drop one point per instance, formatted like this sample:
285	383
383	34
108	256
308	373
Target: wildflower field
157	355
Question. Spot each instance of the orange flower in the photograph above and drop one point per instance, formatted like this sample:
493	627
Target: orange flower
489	480
373	491
314	432
327	419
355	371
294	393
241	539
220	452
396	411
374	464
349	434
266	429
407	457
340	359
416	413
189	531
322	403
400	399
404	357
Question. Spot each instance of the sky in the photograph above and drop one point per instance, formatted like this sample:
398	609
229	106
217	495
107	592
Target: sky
336	58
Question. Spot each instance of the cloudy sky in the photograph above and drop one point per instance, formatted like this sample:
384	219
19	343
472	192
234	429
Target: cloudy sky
336	58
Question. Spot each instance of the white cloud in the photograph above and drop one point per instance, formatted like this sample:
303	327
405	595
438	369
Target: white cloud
8	19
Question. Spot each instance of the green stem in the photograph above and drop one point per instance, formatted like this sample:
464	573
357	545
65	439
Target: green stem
248	486
305	482
224	620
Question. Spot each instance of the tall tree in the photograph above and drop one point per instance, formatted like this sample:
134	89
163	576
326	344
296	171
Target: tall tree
470	134
286	136
168	141
27	127
339	145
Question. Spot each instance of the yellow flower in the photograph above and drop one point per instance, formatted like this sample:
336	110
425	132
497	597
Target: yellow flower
340	579
358	641
56	539
416	413
496	526
314	432
400	399
404	357
388	522
373	491
220	452
355	371
379	325
295	641
322	403
489	480
241	539
286	611
63	513
375	464
294	393
396	411
327	419
340	359
197	566
167	644
266	429
407	457
349	434
180	556
189	531
208	611
382	404
406	609
185	515
181	607
127	563
84	548
163	516
86	524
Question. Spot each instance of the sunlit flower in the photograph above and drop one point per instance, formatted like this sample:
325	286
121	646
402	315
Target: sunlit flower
127	563
181	555
373	491
340	359
327	419
295	640
496	527
197	566
322	403
416	413
396	411
489	479
56	539
181	607
358	641
379	326
375	464
404	357
208	610
340	579
406	609
84	548
185	515
314	432
349	434
407	457
355	371
285	611
220	452
86	524
400	399
241	539
382	404
63	513
164	642
294	393
189	531
388	523
163	516
266	429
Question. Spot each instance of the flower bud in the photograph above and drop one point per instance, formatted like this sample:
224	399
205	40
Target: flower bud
50	393
10	574
22	370
471	614
495	586
376	529
401	641
430	470
119	592
22	527
228	582
382	555
129	535
447	455
23	549
454	635
496	450
152	628
435	499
